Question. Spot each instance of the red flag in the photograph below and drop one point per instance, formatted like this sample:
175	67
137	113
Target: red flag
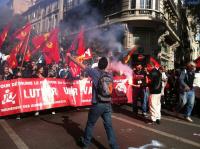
80	52
4	34
72	47
155	62
87	55
16	49
24	46
75	70
47	58
81	44
127	58
12	60
51	48
39	40
27	56
23	32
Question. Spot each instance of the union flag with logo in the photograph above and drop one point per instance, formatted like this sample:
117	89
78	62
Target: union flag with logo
74	68
86	56
23	32
39	40
51	48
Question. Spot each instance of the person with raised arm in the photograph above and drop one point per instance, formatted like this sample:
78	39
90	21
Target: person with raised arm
101	104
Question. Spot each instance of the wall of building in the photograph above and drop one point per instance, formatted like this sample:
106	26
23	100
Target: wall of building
145	23
20	6
193	30
45	15
147	27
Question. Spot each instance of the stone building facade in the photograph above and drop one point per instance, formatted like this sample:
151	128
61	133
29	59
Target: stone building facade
20	6
150	24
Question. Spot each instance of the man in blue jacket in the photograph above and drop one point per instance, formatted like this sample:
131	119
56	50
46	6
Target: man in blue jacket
98	108
187	94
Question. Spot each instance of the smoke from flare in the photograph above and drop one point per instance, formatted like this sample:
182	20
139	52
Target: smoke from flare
124	69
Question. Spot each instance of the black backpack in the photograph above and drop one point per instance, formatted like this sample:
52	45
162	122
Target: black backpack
104	87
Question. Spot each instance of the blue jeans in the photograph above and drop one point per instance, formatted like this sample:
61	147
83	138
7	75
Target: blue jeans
186	98
104	110
142	93
145	100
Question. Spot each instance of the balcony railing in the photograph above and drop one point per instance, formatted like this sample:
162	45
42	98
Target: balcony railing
140	14
152	13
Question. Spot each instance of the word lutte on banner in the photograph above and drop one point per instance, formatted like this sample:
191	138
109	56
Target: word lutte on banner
26	95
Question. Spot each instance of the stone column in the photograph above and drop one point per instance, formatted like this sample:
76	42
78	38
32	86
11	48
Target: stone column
41	20
137	6
153	7
60	7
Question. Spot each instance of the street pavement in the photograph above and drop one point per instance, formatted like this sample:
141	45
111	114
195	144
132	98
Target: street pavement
62	130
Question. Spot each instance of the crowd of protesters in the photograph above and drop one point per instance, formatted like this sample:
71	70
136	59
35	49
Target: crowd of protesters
35	70
152	86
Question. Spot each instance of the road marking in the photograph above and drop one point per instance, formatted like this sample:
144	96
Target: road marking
158	132
180	121
176	120
12	134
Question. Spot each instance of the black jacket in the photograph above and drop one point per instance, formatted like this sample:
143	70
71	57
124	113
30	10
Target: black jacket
155	85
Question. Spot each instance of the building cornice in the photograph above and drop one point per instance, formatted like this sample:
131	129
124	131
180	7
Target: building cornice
133	14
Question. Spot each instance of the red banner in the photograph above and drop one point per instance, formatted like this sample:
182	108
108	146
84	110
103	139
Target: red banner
25	95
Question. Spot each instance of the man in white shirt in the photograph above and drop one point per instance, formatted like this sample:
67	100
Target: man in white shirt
164	79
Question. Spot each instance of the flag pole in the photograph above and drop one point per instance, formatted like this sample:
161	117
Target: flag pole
25	51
